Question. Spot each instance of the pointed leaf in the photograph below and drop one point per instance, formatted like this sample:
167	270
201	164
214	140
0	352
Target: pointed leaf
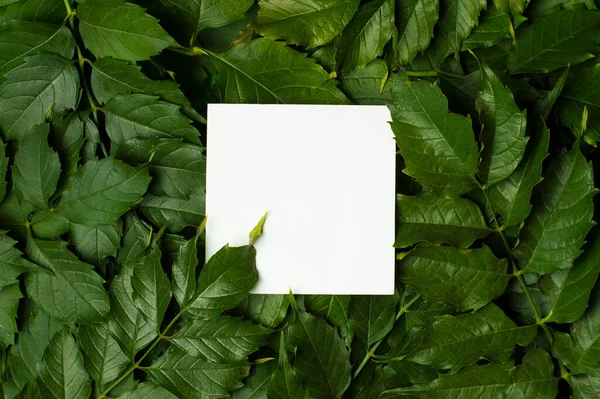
103	190
307	23
259	72
438	220
439	148
46	84
367	85
147	390
96	244
136	238
494	26
102	355
452	342
555	230
114	28
415	20
175	213
189	377
62	373
467	279
268	310
283	383
67	139
12	265
9	302
334	308
555	40
184	272
372	317
255	386
502	138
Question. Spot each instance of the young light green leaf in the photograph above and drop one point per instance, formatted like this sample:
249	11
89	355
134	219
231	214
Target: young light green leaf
534	378
151	287
111	78
96	244
283	383
334	308
365	36
467	279
21	39
372	317
147	390
502	138
114	28
259	72
62	374
126	322
141	116
268	310
415	20
438	147
494	26
580	350
367	85
224	281
220	340
12	265
511	198
75	293
9	302
562	203
453	342
67	139
37	168
307	23
257	231
555	40
178	169
46	84
103	190
568	291
175	213
184	272
190	377
438	220
102	355
322	359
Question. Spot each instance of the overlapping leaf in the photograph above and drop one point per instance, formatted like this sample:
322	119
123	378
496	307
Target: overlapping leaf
415	20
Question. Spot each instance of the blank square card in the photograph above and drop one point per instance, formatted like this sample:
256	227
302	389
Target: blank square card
325	173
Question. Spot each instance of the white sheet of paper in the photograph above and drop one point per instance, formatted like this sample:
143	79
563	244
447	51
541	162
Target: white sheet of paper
325	173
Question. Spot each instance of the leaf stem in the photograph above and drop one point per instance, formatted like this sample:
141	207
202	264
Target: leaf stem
371	352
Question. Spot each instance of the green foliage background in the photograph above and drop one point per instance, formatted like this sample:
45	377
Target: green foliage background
496	111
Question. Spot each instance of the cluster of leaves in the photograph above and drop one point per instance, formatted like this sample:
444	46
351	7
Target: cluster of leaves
496	112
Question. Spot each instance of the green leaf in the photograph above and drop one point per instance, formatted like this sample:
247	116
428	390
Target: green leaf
580	350
268	310
136	238
37	168
12	265
334	308
372	317
367	85
3	171
415	20
67	139
114	28
147	390
365	36
534	378
96	244
467	279
502	138
62	372
51	11
46	84
183	271
307	23
561	217
9	302
111	78
25	356
555	40
255	386
220	340
494	26
75	293
452	342
189	377
438	147
322	359
438	220
178	169
151	287
126	322
284	383
568	291
512	7
141	116
102	355
103	190
174	213
259	72
21	39
224	281
511	198
585	387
